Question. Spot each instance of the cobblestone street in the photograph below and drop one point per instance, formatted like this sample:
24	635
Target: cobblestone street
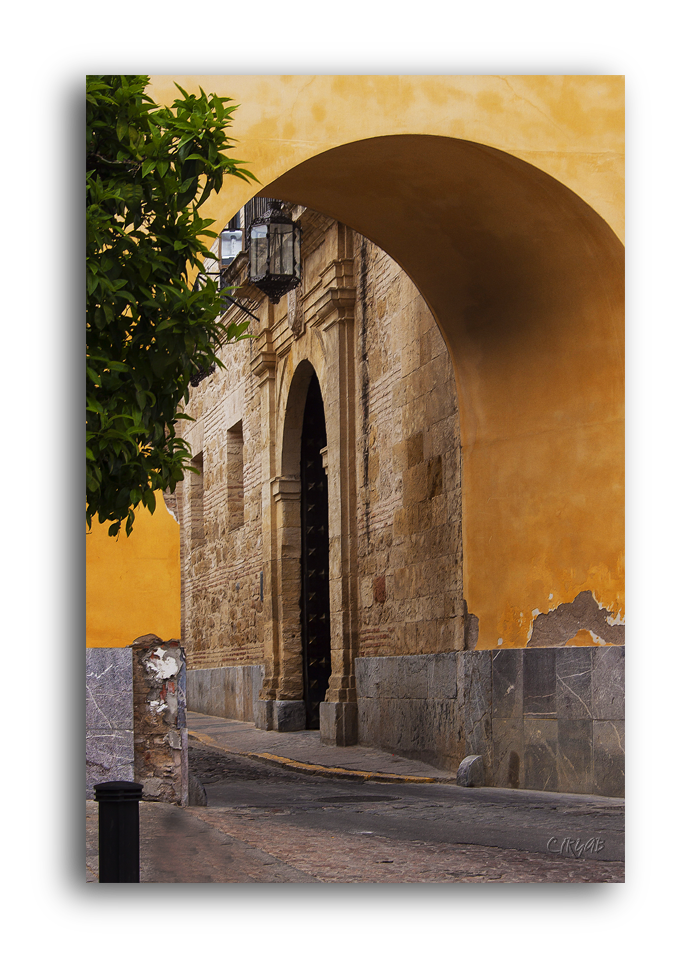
266	824
331	858
338	849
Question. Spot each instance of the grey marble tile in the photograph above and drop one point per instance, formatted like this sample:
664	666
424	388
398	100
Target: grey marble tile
446	737
507	753
412	677
609	758
573	683
109	688
109	715
608	683
474	699
541	751
575	756
507	683
442	675
539	683
408	720
369	720
368	678
109	756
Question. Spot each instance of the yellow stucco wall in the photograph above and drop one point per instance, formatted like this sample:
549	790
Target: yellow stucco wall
133	583
572	127
503	199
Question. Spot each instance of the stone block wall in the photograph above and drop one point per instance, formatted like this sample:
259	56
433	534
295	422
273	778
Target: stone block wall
548	719
230	692
408	469
401	445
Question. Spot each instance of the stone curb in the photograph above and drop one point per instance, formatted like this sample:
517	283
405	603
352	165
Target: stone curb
318	769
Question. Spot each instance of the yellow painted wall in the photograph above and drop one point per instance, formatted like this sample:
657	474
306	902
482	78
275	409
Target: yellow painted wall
503	199
571	127
133	583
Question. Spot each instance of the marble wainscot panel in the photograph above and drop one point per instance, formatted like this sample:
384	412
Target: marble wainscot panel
230	692
109	716
541	718
558	719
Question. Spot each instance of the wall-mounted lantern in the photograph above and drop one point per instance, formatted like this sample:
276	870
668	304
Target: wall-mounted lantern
231	245
275	260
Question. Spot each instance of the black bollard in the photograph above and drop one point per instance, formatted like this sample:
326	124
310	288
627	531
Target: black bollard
119	831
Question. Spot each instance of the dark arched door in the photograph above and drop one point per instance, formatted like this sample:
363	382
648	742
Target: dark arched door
315	601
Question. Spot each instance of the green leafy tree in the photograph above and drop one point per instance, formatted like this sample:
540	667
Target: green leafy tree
149	328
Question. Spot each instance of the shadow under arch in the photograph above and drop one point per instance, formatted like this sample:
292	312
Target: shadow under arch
526	283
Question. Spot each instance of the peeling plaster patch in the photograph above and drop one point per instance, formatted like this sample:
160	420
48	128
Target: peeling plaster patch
550	596
555	628
535	614
500	641
615	620
586	638
163	667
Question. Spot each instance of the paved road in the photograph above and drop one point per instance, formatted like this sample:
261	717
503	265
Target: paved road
266	824
408	832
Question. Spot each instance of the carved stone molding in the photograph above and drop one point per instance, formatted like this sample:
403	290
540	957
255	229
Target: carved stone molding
264	360
285	488
295	312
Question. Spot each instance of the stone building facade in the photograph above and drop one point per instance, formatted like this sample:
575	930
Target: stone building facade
358	327
390	660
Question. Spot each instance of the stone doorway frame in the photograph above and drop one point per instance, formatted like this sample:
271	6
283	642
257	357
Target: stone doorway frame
325	347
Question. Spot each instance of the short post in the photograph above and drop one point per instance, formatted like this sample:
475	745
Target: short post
119	830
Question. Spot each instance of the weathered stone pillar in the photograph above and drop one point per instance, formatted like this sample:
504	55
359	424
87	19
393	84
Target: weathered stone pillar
160	731
263	368
334	314
289	712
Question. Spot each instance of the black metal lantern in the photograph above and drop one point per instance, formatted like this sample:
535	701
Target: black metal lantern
275	260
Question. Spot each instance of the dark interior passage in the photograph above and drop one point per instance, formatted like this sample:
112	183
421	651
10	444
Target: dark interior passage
315	602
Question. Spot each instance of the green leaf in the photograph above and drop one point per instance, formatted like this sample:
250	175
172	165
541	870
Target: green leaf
146	328
159	365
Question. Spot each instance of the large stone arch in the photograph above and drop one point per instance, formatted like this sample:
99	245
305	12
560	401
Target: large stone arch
501	198
525	281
